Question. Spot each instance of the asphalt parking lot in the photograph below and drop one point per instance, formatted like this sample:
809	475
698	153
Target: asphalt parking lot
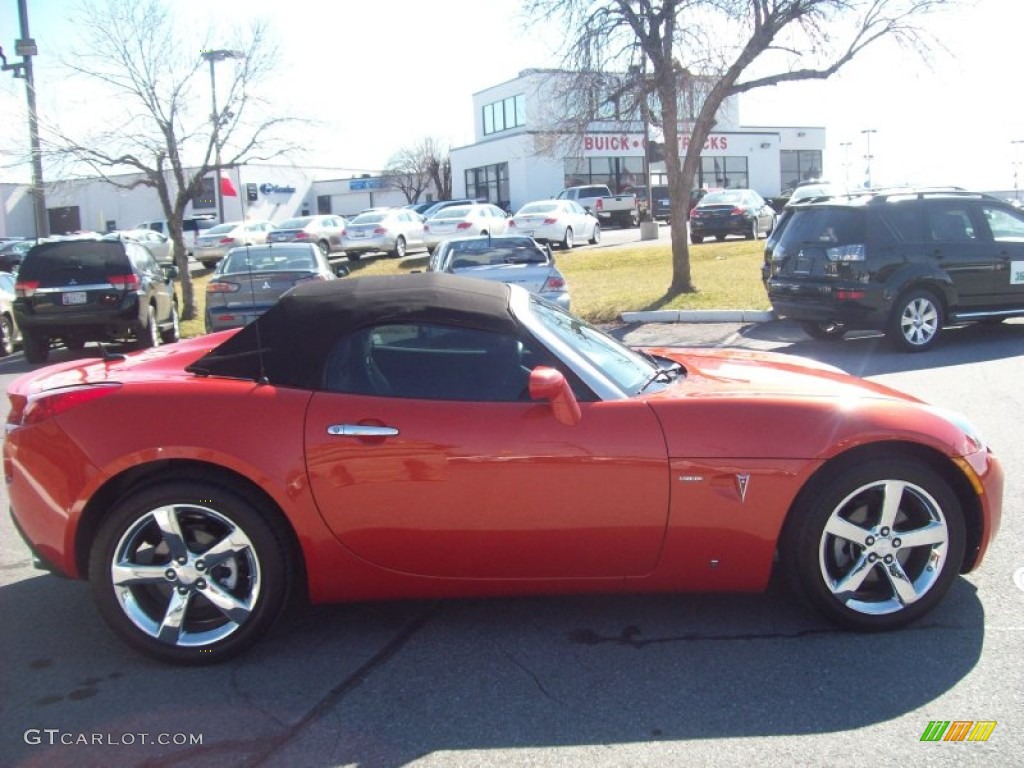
616	681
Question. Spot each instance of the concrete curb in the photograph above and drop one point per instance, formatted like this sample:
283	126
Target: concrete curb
699	316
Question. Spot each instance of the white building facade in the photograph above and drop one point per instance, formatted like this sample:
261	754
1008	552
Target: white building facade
519	155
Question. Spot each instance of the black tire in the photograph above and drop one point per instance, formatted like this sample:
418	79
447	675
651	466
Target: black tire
173	333
596	237
168	601
74	343
634	219
148	335
696	239
36	348
568	240
720	238
353	256
399	250
210	264
754	233
860	569
915	323
6	336
325	247
829	330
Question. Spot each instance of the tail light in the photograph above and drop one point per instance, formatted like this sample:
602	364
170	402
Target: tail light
222	287
554	283
600	204
380	231
344	233
694	213
25	289
226	241
426	227
37	408
302	236
737	211
550	221
464	225
125	282
511	223
308	278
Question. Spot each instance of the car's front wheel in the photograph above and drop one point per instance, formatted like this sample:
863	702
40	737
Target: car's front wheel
875	545
148	335
915	322
173	332
596	237
399	250
7	331
754	232
190	572
568	241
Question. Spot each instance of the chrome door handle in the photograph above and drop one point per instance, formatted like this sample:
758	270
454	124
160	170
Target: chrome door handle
360	430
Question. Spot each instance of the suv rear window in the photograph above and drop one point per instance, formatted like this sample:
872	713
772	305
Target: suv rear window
825	226
84	261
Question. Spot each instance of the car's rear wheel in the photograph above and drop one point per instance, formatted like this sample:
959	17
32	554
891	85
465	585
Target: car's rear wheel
754	232
148	335
696	239
399	250
209	264
325	247
7	332
172	333
826	330
568	241
190	572
876	545
916	321
36	348
596	237
720	238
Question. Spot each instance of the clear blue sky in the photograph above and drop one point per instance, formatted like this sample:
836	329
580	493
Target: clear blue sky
383	75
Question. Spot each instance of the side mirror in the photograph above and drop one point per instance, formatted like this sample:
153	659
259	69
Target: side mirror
341	270
588	209
170	271
549	384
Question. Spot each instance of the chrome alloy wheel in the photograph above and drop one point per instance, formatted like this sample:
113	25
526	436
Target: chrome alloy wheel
185	575
883	547
919	321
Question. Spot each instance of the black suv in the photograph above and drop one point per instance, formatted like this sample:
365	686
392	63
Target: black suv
93	290
905	262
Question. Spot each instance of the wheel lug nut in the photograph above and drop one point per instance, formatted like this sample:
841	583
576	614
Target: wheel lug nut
201	583
885	531
869	541
182	590
896	542
872	557
182	560
888	559
170	574
200	565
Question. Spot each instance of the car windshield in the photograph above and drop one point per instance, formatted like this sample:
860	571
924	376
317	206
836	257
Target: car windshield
480	253
630	370
368	218
295	223
221	229
539	208
264	260
729	197
452	212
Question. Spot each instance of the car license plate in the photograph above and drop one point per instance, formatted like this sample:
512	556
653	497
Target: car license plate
75	297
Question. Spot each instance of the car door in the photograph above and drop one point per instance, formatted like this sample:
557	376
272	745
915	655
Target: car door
959	244
425	456
1006	228
156	285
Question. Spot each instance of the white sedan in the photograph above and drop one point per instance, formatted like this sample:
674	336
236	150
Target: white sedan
463	221
556	221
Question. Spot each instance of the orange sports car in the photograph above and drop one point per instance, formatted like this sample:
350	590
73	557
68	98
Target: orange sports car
428	435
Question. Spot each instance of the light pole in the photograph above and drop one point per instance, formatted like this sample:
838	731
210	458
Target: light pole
867	157
25	47
213	57
846	163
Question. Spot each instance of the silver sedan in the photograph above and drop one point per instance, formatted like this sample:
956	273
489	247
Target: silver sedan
393	231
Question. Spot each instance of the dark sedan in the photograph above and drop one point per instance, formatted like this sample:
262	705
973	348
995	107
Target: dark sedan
249	280
731	212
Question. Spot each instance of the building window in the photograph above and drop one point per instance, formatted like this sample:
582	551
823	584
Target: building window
724	172
323	205
489	183
798	166
204	198
619	174
505	115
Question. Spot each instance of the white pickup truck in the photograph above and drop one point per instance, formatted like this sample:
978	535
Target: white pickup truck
621	209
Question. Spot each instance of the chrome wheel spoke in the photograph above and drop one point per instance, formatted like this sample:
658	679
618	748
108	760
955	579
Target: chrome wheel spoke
902	587
166	519
232	545
236	610
171	626
132	575
854	578
927	536
844	529
893	495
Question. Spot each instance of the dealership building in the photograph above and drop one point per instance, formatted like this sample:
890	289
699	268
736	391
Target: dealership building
522	151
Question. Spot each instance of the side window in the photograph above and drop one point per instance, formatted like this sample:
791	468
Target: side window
905	221
431	362
949	224
1006	226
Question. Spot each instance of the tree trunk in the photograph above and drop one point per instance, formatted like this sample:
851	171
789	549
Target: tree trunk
188	309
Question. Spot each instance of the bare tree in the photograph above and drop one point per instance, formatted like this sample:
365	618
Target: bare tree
670	55
163	136
408	171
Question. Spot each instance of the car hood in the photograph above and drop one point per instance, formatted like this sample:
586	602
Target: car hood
742	404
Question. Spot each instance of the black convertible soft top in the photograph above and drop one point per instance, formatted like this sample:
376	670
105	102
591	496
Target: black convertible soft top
299	331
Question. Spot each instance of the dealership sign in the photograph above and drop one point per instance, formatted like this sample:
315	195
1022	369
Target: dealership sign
632	145
274	189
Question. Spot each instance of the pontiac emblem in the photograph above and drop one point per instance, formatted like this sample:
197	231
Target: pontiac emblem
741	485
